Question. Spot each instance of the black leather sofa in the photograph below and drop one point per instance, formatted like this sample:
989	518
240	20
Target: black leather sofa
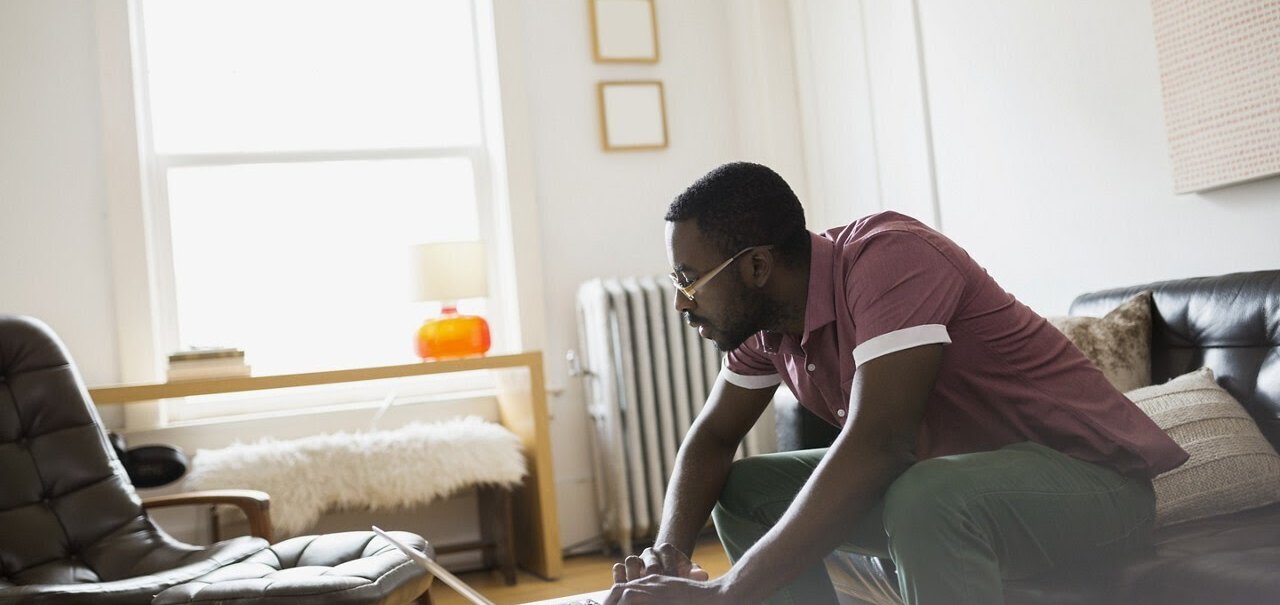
1231	324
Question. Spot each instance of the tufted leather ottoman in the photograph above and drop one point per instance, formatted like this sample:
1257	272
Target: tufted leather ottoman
350	568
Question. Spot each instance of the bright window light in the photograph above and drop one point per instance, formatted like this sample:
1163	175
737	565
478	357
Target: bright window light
299	149
306	266
263	75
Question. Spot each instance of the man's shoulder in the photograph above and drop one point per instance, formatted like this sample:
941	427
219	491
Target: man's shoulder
887	228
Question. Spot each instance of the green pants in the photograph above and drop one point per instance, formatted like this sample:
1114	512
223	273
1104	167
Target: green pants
955	526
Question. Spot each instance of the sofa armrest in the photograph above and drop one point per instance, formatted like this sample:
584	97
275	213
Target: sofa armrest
255	504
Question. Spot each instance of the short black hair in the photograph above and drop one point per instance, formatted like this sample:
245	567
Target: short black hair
741	204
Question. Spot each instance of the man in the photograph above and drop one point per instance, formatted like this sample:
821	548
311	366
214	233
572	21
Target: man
976	443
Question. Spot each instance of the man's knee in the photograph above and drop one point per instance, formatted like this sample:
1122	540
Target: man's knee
742	485
926	495
764	486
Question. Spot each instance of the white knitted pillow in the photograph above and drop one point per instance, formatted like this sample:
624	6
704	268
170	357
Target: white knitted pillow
1232	466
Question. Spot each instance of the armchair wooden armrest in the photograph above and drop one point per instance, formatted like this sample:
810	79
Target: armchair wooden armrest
255	504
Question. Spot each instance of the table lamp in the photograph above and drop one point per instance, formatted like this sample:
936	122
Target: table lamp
448	272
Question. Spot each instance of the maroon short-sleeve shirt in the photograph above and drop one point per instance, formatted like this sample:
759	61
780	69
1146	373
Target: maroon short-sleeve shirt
888	282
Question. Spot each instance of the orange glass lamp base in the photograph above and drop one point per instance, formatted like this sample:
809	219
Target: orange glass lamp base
452	335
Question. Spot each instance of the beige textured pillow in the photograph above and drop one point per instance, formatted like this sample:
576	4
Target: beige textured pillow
1119	343
1232	466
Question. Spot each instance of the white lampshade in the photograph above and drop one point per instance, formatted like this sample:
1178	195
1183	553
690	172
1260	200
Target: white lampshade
448	271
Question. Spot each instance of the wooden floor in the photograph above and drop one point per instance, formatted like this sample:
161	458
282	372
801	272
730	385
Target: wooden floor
583	573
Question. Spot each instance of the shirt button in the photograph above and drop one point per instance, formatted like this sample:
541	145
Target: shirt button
840	413
811	367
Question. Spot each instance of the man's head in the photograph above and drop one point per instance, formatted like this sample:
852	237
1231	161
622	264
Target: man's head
736	208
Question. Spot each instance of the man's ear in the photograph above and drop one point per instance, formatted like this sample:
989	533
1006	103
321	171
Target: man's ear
761	262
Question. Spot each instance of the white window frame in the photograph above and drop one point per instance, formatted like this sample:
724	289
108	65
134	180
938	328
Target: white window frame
142	270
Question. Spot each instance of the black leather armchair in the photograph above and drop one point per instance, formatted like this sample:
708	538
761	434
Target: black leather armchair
73	530
1231	324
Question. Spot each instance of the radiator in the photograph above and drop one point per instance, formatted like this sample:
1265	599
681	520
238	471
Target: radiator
646	375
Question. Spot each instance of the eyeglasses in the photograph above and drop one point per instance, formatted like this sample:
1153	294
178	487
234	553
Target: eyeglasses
691	290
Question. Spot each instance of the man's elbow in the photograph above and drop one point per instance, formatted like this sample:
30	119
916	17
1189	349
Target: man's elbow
887	458
707	442
897	460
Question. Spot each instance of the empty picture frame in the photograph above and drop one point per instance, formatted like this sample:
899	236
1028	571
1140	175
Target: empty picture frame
632	115
624	31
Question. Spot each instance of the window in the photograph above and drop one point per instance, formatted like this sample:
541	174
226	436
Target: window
297	149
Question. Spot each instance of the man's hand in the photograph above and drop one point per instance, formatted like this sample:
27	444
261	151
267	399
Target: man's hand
666	590
663	560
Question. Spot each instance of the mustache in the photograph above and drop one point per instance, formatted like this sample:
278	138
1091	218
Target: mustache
690	318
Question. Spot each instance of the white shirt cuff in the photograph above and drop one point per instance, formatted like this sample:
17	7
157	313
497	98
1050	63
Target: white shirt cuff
900	340
750	382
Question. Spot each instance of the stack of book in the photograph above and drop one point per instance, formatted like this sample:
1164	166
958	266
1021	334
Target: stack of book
199	364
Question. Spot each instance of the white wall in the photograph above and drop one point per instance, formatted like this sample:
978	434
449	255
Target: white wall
868	142
597	214
1049	146
53	238
601	213
837	122
1052	159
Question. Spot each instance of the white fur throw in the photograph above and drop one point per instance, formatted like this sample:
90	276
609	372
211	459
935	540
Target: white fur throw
373	470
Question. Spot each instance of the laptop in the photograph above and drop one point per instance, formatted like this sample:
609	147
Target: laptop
468	592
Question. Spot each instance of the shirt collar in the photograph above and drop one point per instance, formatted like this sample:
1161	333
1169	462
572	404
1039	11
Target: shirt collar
820	304
820	307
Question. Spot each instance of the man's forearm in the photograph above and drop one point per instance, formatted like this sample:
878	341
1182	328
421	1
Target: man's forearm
700	472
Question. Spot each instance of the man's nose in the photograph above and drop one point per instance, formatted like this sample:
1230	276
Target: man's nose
682	302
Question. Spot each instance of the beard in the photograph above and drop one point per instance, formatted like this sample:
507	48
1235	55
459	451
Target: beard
748	313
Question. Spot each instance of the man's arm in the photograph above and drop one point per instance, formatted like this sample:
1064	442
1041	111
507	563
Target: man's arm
701	467
875	447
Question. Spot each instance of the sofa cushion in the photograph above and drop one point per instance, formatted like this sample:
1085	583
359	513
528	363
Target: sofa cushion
1224	560
1232	466
1119	343
1228	323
